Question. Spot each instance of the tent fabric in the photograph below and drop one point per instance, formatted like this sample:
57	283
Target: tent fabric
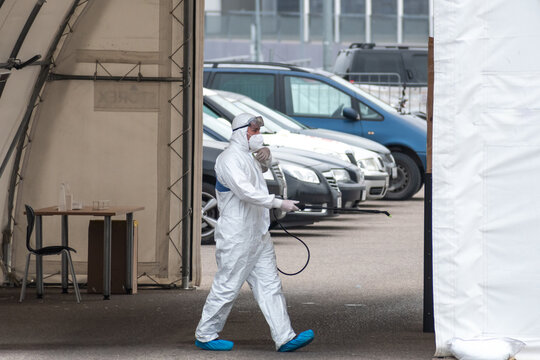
108	139
20	83
486	162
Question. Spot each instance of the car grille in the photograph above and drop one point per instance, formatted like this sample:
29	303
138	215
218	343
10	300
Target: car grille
331	180
278	174
376	190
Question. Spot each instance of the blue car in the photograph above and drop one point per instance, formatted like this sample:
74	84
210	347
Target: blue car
321	99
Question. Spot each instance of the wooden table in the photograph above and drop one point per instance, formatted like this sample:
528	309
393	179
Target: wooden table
88	211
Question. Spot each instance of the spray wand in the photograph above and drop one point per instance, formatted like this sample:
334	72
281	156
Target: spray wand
303	206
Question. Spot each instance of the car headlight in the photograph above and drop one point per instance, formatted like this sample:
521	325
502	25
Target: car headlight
301	173
340	174
370	164
268	175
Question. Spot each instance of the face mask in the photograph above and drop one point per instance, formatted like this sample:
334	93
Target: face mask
256	142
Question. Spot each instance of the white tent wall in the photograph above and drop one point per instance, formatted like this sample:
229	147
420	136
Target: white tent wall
486	162
116	140
20	84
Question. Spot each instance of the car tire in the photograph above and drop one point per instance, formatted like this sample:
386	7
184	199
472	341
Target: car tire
210	214
408	181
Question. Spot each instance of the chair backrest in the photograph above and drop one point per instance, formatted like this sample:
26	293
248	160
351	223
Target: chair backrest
30	217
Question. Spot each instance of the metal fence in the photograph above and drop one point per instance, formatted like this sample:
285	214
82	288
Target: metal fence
406	98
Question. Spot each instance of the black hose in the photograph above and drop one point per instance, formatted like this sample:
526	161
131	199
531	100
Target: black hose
307	248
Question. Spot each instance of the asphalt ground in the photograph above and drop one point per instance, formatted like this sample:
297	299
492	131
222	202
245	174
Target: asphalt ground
361	294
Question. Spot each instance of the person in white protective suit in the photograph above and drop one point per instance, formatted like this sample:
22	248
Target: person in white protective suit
244	250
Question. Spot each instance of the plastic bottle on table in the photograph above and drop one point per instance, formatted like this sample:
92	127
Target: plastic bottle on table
62	197
69	197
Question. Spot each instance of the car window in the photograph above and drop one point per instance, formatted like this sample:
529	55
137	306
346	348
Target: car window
210	112
379	62
311	97
367	113
418	64
260	87
364	94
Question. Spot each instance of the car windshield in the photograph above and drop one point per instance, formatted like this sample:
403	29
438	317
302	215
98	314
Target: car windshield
236	110
365	94
277	118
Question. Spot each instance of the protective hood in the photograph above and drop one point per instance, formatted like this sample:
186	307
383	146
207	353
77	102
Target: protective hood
239	137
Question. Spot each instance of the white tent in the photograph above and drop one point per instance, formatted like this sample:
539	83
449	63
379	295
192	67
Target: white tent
486	158
103	110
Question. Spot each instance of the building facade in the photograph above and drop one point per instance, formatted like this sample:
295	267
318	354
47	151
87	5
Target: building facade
406	22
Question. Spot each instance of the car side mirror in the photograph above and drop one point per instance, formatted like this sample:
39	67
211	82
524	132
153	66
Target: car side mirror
351	114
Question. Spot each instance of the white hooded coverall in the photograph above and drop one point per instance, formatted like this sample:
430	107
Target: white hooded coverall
244	250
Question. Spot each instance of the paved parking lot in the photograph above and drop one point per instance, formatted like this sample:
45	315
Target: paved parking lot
361	294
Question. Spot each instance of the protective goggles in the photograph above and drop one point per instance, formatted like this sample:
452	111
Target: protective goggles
256	121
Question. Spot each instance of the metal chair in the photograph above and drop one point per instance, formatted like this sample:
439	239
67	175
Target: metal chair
47	250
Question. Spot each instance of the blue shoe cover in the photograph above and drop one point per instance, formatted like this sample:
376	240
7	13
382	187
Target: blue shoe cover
215	345
299	341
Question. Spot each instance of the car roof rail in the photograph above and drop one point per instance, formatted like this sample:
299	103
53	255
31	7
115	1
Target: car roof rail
362	45
216	64
386	46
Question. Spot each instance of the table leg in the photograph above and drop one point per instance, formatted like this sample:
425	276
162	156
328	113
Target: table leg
129	257
65	242
39	259
107	259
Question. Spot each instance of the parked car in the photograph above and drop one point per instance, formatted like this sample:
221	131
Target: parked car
395	74
275	180
323	100
384	65
283	123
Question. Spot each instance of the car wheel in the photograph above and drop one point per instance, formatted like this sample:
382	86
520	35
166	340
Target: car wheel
210	214
408	180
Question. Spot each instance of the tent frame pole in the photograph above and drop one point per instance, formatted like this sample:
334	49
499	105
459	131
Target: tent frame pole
429	318
187	145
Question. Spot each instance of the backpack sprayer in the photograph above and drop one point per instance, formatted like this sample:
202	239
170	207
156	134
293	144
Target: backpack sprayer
303	206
